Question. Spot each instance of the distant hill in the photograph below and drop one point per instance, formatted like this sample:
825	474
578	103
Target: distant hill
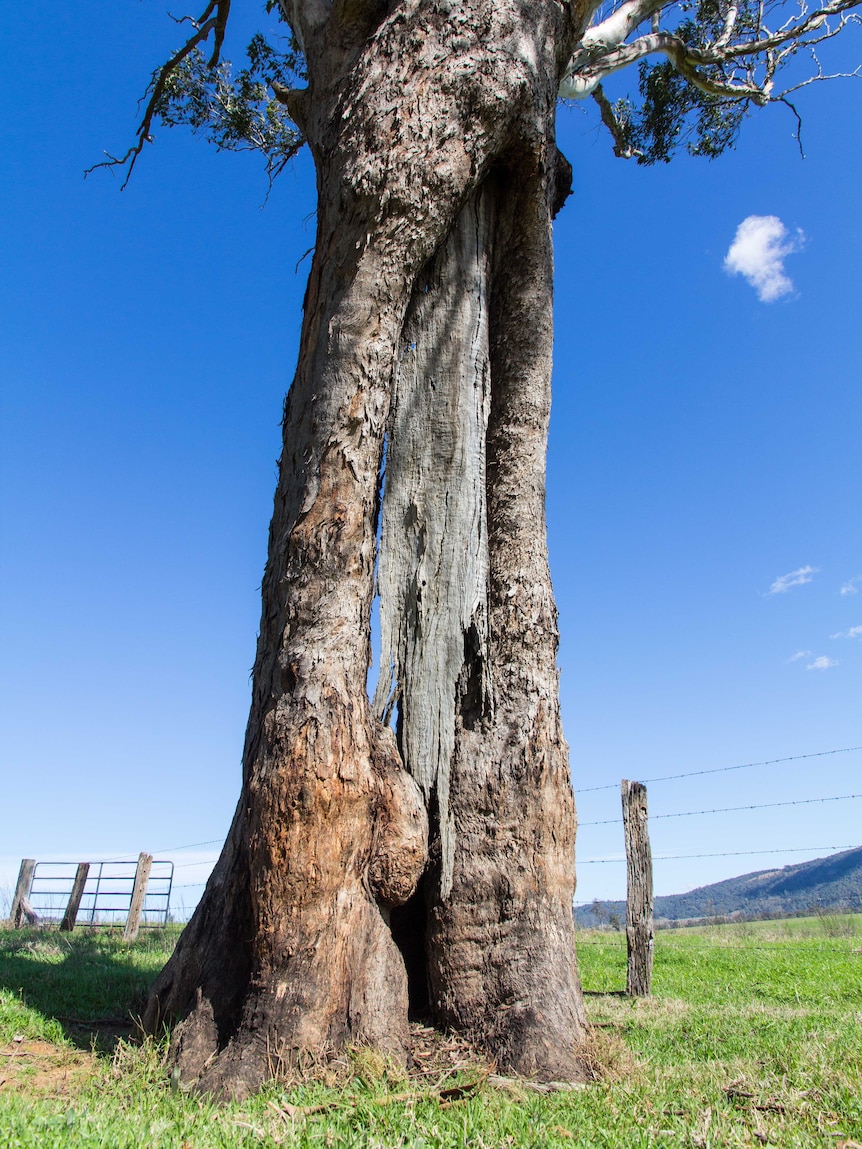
830	882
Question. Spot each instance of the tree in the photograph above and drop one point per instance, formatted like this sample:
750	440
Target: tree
417	850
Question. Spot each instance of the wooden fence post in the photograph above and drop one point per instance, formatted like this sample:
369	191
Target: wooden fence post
139	892
21	907
639	894
71	914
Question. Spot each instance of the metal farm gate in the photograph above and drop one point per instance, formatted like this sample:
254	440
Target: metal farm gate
131	894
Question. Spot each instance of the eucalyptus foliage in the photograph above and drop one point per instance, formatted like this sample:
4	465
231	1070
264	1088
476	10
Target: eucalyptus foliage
716	60
236	110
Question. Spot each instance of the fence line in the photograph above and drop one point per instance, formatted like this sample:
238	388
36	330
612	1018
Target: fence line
721	769
722	854
210	862
605	822
167	850
585	790
732	809
64	892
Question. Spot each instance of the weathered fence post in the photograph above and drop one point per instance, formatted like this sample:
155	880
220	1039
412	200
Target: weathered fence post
639	894
71	914
21	907
139	892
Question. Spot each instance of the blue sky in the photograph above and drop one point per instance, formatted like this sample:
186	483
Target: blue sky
704	444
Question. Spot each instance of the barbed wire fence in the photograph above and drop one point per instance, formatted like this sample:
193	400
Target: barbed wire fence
205	865
708	900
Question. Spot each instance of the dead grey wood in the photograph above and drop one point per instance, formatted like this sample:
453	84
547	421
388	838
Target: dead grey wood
433	569
139	893
29	913
74	904
428	316
640	938
18	913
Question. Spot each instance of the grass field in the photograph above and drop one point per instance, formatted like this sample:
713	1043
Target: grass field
753	1037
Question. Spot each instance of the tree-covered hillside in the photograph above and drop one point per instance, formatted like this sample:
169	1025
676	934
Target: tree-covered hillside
830	882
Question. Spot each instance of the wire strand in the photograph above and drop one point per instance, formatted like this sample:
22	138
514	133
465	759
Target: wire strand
731	809
723	769
723	854
168	850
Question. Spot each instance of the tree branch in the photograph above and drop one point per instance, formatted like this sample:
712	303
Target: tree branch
684	59
856	74
622	148
725	68
220	28
204	25
616	28
793	108
727	31
791	32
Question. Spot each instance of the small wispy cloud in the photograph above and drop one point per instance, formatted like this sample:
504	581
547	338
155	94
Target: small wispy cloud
758	252
798	577
853	632
852	585
800	654
822	663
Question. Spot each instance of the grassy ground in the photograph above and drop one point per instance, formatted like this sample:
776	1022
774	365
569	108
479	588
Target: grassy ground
753	1037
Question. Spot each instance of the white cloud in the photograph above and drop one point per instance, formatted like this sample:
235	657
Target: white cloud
853	632
800	654
822	663
796	578
850	587
757	253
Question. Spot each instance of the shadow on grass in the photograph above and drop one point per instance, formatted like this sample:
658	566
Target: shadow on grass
90	981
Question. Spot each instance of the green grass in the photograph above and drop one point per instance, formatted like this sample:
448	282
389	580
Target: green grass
90	975
753	1032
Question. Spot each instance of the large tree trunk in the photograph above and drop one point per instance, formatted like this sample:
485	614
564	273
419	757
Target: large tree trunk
431	283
